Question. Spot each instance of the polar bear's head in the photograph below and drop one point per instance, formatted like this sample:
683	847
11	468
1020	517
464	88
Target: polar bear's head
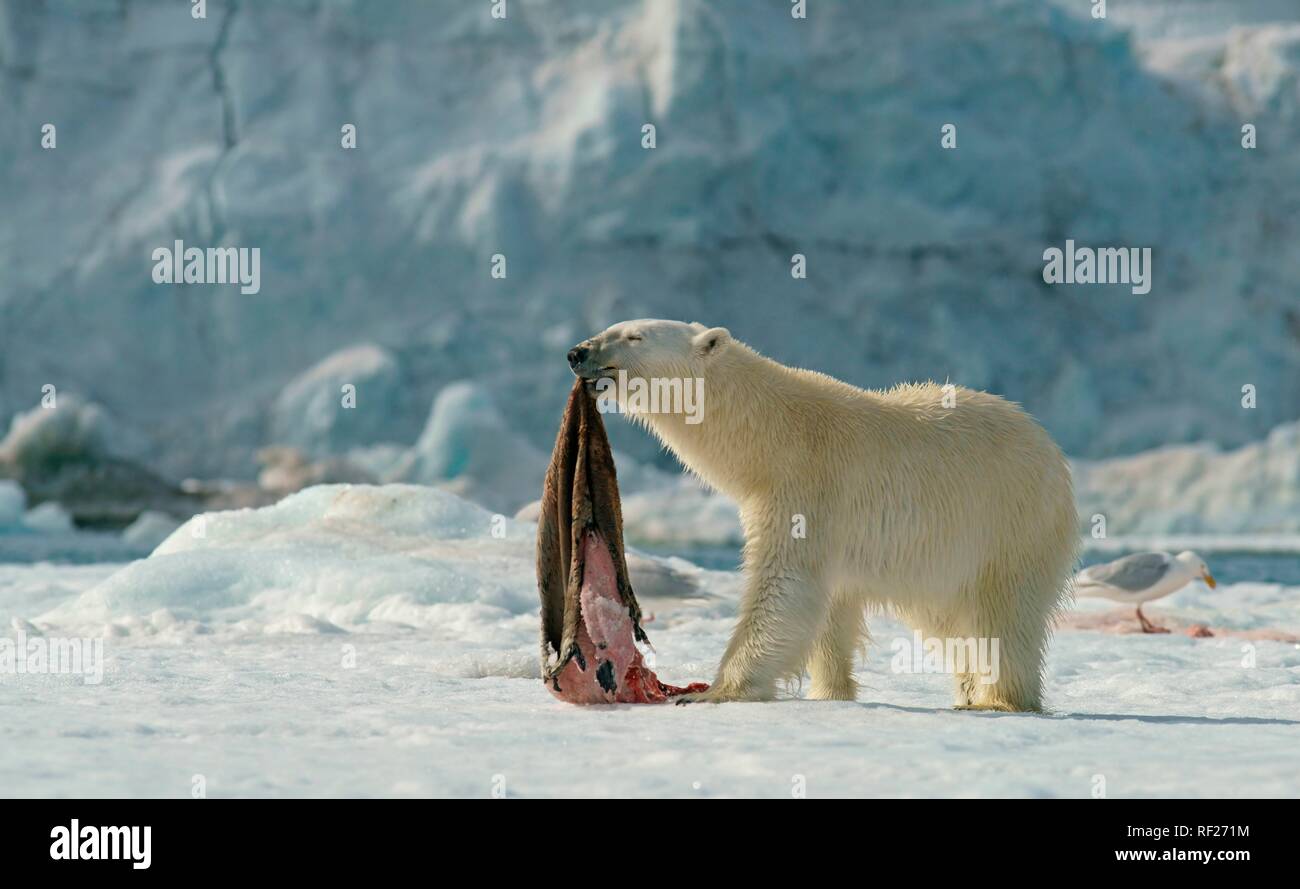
649	348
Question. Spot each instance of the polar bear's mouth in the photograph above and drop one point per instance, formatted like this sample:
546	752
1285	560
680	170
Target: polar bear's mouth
606	371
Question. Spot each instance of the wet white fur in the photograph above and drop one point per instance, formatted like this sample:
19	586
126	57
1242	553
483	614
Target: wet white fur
961	519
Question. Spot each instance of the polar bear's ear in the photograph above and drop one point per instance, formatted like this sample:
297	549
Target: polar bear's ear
711	341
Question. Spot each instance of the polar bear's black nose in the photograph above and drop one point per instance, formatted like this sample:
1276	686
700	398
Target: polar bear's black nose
577	355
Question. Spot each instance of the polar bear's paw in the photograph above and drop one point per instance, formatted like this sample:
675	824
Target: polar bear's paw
995	707
700	697
845	690
715	695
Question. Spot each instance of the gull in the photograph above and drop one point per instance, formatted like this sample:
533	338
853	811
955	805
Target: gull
1142	577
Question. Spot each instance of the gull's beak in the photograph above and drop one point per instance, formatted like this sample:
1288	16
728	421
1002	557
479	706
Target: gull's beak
1209	580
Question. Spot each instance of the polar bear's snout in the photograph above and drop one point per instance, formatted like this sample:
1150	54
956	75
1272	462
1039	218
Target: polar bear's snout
577	355
582	360
589	359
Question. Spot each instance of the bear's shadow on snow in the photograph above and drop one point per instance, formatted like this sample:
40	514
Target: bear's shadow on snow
1093	717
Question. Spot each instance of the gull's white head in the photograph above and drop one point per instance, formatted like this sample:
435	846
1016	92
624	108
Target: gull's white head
1196	567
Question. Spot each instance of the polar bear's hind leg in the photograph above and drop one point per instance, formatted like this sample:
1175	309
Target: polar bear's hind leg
1017	611
831	662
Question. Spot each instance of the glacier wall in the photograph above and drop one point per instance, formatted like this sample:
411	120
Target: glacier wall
522	137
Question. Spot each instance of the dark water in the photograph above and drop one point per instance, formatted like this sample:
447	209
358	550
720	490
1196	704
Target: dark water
716	558
1227	566
82	548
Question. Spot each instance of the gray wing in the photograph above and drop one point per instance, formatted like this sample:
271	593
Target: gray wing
1132	573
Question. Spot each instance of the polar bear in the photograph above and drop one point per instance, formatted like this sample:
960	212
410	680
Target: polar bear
950	506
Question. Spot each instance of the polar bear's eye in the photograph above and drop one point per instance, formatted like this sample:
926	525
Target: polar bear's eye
634	337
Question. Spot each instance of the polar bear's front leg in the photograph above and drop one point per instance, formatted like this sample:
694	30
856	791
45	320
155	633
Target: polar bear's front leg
779	617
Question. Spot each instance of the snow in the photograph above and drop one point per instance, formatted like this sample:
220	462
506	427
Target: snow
316	414
150	529
49	518
469	447
69	428
366	641
377	641
339	557
12	504
681	512
15	518
1197	489
29	589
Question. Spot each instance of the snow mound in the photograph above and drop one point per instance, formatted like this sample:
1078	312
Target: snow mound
150	529
1197	489
1261	71
74	453
338	554
681	513
13	502
47	518
346	558
73	429
311	414
469	448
